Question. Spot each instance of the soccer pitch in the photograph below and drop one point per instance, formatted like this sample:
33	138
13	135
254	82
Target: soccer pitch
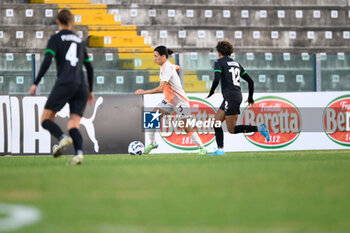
272	192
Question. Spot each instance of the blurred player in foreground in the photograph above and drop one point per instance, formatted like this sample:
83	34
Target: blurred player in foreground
175	98
70	87
229	72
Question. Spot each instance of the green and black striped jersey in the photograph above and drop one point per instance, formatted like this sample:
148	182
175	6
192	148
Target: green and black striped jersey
70	53
231	71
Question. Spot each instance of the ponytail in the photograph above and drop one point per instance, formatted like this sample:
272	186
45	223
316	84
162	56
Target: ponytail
162	50
170	51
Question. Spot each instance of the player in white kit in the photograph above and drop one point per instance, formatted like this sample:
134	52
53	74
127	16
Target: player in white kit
175	98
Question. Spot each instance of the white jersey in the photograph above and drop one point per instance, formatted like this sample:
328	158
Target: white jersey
174	94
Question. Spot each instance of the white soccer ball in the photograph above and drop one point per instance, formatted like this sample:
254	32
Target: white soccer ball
136	148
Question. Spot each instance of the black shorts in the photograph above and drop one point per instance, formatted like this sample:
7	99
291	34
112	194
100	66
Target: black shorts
76	95
231	104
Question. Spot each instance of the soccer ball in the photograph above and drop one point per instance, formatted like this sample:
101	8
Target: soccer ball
136	148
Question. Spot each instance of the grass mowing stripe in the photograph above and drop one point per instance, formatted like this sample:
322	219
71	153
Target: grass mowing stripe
296	191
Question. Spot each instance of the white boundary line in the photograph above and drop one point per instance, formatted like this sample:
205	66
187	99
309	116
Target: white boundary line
17	216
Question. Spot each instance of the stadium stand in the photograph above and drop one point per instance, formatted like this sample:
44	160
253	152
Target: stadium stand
193	27
263	33
281	3
254	28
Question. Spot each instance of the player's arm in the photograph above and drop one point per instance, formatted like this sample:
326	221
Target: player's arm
90	75
217	76
250	82
45	65
158	89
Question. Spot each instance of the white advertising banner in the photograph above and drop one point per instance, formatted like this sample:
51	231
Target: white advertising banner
296	121
103	126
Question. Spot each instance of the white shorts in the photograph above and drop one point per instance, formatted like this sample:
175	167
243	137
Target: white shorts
182	110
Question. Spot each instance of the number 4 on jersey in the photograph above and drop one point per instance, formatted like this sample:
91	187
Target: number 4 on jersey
71	54
235	76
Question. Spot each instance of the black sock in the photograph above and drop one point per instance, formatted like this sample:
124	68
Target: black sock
53	128
77	139
219	137
245	128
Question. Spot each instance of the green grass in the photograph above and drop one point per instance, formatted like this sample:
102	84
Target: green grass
272	192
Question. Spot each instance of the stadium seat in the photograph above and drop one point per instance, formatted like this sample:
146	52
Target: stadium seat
25	14
60	1
34	37
192	84
105	31
205	23
118	41
113	31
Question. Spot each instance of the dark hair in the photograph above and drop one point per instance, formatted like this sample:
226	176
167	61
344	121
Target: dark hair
162	50
65	17
224	47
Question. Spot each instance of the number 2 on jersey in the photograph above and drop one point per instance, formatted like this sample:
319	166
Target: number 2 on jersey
235	76
71	54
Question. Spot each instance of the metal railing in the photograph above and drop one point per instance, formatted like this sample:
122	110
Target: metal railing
118	74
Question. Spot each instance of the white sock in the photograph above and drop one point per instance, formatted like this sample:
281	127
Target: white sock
196	139
151	136
79	152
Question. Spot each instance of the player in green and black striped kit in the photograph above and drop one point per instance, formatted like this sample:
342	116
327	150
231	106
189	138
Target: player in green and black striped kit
70	87
229	72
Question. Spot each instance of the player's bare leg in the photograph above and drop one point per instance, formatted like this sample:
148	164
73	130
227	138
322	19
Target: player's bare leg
194	136
48	115
231	121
